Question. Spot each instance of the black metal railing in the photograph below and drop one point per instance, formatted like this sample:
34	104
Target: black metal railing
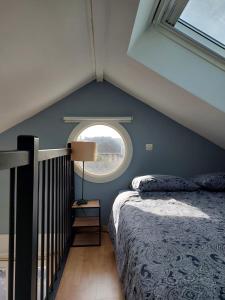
41	193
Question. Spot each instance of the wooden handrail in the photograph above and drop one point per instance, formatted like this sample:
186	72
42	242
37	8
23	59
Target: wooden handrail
52	153
13	159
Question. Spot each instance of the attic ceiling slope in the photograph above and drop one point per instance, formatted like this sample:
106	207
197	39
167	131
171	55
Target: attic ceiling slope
45	54
160	48
156	91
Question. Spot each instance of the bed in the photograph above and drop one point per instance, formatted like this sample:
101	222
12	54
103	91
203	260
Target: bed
170	245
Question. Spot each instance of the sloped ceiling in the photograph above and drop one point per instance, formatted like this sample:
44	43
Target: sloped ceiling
45	53
50	48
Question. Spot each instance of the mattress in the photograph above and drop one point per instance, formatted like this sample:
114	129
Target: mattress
170	245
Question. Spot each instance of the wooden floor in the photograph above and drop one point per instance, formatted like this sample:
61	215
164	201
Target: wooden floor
90	274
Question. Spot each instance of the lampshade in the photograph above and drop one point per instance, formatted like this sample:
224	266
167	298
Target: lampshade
83	151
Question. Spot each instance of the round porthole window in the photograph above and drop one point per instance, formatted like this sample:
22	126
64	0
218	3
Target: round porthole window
114	150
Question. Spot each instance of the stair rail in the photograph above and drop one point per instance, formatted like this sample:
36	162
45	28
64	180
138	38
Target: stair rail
41	193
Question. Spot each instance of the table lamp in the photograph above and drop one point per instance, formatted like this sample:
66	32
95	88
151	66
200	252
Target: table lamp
83	151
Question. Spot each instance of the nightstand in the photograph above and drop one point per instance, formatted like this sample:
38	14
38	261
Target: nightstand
86	228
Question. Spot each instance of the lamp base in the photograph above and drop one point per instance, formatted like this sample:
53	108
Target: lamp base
82	202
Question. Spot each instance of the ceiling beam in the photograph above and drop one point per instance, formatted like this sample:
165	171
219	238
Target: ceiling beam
98	13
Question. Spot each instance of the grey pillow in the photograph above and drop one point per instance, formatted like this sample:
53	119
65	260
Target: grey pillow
211	181
151	183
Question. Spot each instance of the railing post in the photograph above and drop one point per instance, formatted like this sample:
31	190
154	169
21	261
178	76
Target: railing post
27	222
72	174
71	192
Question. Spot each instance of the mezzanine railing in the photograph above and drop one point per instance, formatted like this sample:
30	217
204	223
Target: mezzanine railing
41	191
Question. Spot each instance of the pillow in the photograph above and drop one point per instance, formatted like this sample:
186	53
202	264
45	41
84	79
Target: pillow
150	183
211	182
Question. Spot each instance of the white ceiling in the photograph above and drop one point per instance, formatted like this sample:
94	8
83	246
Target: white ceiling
51	47
45	53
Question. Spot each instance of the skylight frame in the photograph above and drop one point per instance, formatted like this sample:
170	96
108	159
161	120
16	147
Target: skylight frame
200	32
165	19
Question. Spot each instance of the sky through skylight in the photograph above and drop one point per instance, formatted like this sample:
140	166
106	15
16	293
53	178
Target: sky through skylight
207	16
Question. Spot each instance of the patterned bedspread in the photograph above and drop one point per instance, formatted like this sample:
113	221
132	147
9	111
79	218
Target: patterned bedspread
170	245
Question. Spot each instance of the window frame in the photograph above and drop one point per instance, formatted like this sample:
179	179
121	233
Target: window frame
202	34
165	18
128	151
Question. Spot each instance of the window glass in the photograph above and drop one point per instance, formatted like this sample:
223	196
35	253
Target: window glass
207	16
110	149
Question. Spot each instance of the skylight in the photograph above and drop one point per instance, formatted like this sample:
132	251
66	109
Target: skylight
198	25
207	17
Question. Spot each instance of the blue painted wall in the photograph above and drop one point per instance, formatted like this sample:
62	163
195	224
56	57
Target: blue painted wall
177	150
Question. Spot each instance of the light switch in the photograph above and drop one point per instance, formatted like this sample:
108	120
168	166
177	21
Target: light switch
149	147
